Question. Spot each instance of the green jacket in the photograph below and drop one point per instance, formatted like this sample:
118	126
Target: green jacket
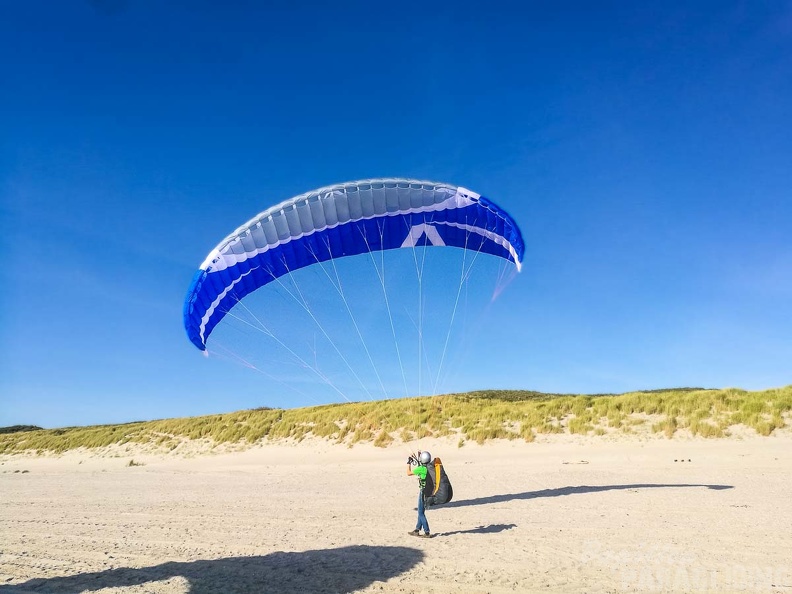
420	472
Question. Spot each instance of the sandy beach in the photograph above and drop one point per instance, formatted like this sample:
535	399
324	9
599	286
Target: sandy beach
570	514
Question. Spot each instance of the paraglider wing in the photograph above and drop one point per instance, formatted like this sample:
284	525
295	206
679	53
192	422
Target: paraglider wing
343	220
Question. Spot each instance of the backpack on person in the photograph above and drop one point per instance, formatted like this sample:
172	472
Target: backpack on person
438	488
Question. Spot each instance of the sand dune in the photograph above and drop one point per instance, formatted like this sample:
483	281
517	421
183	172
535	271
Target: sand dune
569	515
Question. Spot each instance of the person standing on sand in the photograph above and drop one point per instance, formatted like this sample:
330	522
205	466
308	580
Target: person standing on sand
418	468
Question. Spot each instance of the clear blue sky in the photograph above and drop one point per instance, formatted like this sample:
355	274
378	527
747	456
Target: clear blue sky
645	149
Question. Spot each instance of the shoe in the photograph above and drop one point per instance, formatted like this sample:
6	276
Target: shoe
427	535
414	533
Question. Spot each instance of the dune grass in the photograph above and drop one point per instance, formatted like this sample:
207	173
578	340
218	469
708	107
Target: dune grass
473	416
19	428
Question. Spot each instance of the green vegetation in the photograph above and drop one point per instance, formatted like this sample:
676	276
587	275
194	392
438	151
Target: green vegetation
473	416
18	428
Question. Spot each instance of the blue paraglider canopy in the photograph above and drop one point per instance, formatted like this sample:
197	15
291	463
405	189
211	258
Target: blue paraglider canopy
343	220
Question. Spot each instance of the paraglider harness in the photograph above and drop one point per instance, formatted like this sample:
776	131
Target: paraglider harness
437	490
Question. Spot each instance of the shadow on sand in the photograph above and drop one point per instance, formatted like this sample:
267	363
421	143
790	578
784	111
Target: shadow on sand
561	491
341	570
491	529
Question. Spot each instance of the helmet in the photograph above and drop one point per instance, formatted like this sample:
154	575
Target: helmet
425	457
